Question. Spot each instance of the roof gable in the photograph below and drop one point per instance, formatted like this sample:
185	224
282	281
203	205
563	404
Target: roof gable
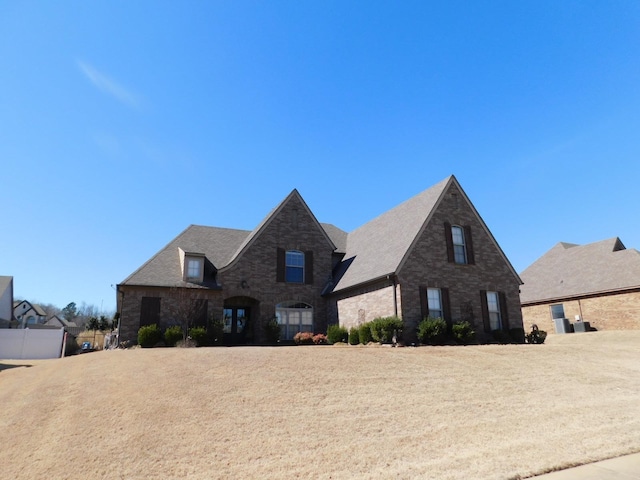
293	197
569	270
377	248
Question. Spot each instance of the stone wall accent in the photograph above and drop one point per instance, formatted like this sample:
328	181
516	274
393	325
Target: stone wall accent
366	304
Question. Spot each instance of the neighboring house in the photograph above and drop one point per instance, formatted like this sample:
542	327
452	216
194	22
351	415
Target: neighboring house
28	313
69	327
432	255
597	283
55	320
6	301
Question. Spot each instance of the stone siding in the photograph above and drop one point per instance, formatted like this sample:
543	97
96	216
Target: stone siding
366	304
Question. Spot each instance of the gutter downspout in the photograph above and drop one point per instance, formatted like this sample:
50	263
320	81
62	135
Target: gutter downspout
395	294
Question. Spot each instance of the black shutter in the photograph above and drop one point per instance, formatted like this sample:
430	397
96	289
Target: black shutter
446	308
504	313
308	267
149	311
485	311
424	305
471	259
449	240
280	265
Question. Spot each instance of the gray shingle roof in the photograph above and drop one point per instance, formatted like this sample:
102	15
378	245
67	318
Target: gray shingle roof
163	269
569	270
377	248
221	246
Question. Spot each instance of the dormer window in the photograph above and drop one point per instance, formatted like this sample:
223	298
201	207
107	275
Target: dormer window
192	265
193	269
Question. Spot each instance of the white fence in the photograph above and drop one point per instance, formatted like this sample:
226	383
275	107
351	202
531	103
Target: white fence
30	344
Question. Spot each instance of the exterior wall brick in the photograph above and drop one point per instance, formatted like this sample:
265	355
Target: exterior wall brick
608	312
250	281
427	265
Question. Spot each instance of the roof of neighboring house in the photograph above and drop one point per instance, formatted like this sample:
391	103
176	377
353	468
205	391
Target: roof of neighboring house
36	308
5	282
569	270
56	320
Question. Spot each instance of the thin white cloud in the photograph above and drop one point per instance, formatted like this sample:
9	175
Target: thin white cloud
107	85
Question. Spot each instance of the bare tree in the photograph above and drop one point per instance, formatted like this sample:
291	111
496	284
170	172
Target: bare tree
186	307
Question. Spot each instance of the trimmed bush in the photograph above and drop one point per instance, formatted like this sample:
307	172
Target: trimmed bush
337	334
432	331
517	334
149	336
536	336
354	336
272	330
198	335
172	335
215	328
319	339
364	333
303	338
462	333
384	328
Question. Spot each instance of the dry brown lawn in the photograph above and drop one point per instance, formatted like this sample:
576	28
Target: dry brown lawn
339	412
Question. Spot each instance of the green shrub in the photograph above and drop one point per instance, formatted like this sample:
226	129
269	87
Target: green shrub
172	335
354	336
462	333
337	334
536	336
198	335
432	331
149	336
364	333
215	330
517	334
272	330
383	329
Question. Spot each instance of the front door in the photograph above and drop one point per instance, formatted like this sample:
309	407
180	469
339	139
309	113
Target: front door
235	324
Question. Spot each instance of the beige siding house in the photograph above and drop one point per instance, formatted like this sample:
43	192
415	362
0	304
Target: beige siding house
432	255
598	283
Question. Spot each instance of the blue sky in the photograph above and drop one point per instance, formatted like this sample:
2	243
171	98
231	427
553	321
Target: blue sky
121	123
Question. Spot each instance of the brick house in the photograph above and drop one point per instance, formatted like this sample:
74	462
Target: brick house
431	255
597	283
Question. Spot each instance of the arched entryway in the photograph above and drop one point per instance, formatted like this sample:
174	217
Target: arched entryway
294	317
239	319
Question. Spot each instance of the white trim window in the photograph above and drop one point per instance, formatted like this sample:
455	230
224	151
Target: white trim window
459	244
294	317
434	301
193	269
493	307
294	266
557	311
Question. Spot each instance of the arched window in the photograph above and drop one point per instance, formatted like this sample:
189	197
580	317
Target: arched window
294	317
